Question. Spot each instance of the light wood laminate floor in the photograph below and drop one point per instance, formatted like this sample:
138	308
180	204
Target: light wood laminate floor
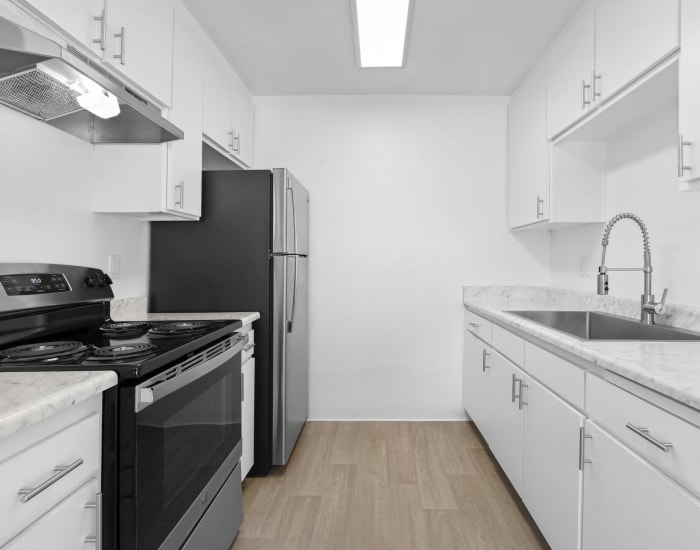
386	486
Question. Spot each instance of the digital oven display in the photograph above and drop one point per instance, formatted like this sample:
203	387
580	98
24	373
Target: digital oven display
34	283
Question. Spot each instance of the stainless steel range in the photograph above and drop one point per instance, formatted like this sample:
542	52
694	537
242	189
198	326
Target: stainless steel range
172	426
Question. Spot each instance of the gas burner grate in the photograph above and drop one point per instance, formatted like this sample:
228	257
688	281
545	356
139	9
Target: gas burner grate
43	352
181	328
122	352
125	329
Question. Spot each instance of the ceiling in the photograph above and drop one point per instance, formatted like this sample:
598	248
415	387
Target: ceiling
293	47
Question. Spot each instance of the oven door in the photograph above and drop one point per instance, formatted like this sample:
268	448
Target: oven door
187	424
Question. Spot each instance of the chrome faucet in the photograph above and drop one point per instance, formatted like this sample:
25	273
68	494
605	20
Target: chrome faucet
649	306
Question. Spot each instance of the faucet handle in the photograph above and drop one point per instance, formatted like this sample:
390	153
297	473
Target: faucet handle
660	307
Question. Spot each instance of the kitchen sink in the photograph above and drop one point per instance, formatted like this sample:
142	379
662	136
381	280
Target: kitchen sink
596	325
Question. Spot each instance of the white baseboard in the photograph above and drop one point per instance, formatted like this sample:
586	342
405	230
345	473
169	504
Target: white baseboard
387	413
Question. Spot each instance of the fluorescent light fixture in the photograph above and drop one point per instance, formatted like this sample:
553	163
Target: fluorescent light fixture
382	27
100	103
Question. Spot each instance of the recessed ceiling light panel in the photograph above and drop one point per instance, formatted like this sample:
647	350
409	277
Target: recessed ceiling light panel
381	30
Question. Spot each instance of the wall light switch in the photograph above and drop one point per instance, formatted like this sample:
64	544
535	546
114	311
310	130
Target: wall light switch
114	266
584	265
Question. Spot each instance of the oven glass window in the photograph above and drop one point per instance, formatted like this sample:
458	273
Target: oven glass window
182	439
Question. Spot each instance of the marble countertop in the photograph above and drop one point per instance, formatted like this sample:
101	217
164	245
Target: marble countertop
28	397
669	368
136	309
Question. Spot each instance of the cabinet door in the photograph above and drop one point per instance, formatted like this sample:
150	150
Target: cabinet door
243	122
476	374
145	52
248	416
218	99
506	430
78	18
184	187
631	36
570	63
627	503
689	92
551	475
528	151
64	527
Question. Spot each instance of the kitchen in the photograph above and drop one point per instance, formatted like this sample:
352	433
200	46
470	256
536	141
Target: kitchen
410	190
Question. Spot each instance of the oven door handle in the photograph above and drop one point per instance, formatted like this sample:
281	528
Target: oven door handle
159	386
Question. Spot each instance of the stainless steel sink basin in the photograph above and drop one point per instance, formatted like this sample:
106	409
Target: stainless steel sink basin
595	325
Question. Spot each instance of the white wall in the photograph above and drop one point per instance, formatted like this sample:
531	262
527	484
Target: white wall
46	205
641	178
407	205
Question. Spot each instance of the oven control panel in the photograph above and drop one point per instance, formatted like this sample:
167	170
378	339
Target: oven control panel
34	283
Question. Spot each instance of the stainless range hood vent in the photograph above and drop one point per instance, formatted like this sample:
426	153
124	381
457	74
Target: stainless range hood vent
43	80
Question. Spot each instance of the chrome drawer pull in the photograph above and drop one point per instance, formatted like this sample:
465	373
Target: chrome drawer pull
644	434
484	355
473	325
28	493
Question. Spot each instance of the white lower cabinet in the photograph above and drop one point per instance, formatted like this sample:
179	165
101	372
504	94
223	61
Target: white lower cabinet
247	401
69	525
505	439
627	503
476	375
551	474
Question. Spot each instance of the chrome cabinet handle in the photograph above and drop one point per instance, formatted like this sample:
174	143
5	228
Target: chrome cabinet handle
682	166
596	95
484	355
249	347
122	50
181	201
644	434
523	387
97	505
582	448
473	325
540	202
584	102
28	493
102	40
230	144
236	146
519	395
512	390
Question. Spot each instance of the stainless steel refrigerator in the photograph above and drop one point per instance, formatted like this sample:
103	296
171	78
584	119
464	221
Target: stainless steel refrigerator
249	252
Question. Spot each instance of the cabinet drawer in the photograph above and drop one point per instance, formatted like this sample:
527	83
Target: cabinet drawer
563	378
478	326
508	344
37	464
615	409
65	527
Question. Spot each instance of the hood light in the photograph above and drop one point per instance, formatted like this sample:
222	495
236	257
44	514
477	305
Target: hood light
100	103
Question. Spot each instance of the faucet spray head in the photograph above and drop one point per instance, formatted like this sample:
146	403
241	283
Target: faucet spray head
602	281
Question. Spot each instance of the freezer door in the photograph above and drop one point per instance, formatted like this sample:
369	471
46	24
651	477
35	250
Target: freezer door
290	354
290	214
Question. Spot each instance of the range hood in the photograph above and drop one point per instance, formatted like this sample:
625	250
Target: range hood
40	78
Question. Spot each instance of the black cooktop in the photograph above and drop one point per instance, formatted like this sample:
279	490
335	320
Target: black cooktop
132	349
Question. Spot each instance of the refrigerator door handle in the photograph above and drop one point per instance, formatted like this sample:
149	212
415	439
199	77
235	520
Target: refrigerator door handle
290	322
290	189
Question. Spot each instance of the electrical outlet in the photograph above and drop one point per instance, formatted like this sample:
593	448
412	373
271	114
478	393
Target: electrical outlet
114	266
584	265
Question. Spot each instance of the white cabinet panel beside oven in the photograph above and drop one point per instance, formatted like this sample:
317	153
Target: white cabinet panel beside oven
608	472
247	400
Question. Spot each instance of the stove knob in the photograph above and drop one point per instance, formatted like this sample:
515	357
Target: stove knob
92	280
106	280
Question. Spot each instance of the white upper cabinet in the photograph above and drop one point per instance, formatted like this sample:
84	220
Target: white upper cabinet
243	122
184	186
608	45
630	37
140	43
162	181
80	19
218	100
528	151
689	97
569	72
